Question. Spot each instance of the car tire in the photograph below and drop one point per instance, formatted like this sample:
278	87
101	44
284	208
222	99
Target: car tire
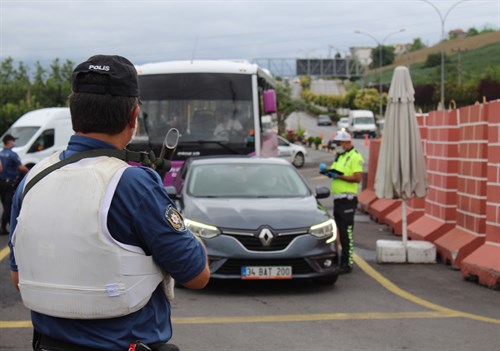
328	280
299	160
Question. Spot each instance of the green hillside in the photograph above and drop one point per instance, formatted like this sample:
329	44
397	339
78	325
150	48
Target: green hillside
467	66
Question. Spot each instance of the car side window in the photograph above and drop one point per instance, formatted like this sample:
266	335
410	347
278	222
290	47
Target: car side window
281	142
43	142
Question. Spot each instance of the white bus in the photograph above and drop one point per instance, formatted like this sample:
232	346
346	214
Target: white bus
217	106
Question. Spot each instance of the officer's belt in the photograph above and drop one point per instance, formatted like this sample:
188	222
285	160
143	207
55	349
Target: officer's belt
348	196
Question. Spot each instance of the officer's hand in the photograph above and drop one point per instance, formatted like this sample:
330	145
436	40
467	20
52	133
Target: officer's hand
160	165
323	170
333	175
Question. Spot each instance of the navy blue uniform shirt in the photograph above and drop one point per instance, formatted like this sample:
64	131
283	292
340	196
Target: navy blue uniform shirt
136	217
10	164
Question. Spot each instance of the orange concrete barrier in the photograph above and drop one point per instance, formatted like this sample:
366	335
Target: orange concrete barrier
415	208
367	196
469	231
461	212
442	168
380	208
484	263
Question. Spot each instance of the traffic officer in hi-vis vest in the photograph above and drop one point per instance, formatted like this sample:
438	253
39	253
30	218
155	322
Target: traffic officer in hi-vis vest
94	240
346	173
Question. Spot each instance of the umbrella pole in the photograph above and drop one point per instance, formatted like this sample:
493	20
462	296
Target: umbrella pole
403	217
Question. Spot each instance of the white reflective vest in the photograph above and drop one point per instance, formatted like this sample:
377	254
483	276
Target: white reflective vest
69	264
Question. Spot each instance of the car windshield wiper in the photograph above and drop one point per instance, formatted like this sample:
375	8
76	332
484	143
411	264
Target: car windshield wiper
218	142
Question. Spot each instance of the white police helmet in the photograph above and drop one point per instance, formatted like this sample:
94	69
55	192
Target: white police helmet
342	136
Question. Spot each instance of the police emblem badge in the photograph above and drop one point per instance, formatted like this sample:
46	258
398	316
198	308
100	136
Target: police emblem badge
175	219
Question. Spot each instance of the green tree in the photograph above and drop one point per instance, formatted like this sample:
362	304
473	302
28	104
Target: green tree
434	60
387	56
472	32
286	104
21	92
367	99
58	84
417	45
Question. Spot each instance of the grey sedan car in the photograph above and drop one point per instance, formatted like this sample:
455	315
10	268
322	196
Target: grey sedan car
258	219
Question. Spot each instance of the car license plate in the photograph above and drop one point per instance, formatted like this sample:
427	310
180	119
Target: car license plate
265	272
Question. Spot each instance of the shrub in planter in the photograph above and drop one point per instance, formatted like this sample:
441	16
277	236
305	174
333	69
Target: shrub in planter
317	142
310	141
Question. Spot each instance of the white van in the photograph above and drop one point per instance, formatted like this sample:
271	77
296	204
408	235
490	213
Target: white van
362	122
40	133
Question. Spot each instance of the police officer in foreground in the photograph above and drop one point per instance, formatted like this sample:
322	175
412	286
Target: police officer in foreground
11	169
93	241
346	173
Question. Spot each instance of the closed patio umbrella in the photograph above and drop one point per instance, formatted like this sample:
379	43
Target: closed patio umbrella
401	171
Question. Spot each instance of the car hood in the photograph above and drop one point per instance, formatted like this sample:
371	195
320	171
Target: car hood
249	214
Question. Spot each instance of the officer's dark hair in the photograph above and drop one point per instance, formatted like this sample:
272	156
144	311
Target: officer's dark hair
100	113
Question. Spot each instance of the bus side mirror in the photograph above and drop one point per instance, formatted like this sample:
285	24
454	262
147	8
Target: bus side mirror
269	97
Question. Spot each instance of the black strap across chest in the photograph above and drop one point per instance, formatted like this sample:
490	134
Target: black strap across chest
124	155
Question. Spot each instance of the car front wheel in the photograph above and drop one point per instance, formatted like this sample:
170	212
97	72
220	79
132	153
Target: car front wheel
299	160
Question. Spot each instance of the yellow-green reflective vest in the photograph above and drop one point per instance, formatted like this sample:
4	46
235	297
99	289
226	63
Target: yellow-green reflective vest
348	163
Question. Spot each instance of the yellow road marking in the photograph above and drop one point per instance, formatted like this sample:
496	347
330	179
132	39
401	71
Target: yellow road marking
415	299
437	311
15	324
280	318
310	317
4	252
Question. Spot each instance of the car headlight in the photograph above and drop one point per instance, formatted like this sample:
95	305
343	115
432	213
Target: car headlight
204	231
325	230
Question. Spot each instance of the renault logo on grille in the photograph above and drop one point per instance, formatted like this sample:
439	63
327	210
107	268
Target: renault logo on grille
266	237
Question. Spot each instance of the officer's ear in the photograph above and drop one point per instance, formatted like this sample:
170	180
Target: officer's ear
134	116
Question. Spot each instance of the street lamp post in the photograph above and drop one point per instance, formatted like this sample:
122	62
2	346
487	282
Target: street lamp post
380	44
443	19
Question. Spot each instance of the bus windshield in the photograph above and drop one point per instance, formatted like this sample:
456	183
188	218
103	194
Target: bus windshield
211	107
218	106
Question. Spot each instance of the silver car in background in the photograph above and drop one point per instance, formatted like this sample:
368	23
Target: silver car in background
343	123
293	153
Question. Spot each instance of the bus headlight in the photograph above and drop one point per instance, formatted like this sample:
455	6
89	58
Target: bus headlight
204	231
323	230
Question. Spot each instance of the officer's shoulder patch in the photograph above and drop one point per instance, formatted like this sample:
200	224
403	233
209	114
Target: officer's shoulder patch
175	219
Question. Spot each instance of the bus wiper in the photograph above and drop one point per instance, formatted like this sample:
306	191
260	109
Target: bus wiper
220	143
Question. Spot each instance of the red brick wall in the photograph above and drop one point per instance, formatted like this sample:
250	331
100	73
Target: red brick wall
492	112
442	164
472	169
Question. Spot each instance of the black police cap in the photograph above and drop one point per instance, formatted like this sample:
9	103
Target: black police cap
121	73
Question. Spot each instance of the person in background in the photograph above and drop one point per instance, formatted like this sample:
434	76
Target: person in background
104	228
346	173
10	172
229	124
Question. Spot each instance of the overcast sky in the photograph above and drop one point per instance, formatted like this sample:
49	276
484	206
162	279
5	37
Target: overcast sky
149	31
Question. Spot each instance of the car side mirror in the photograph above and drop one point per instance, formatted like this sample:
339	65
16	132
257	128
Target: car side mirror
322	192
171	191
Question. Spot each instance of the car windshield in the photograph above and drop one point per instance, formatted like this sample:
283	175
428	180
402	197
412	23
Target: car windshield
364	120
22	134
324	117
249	180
